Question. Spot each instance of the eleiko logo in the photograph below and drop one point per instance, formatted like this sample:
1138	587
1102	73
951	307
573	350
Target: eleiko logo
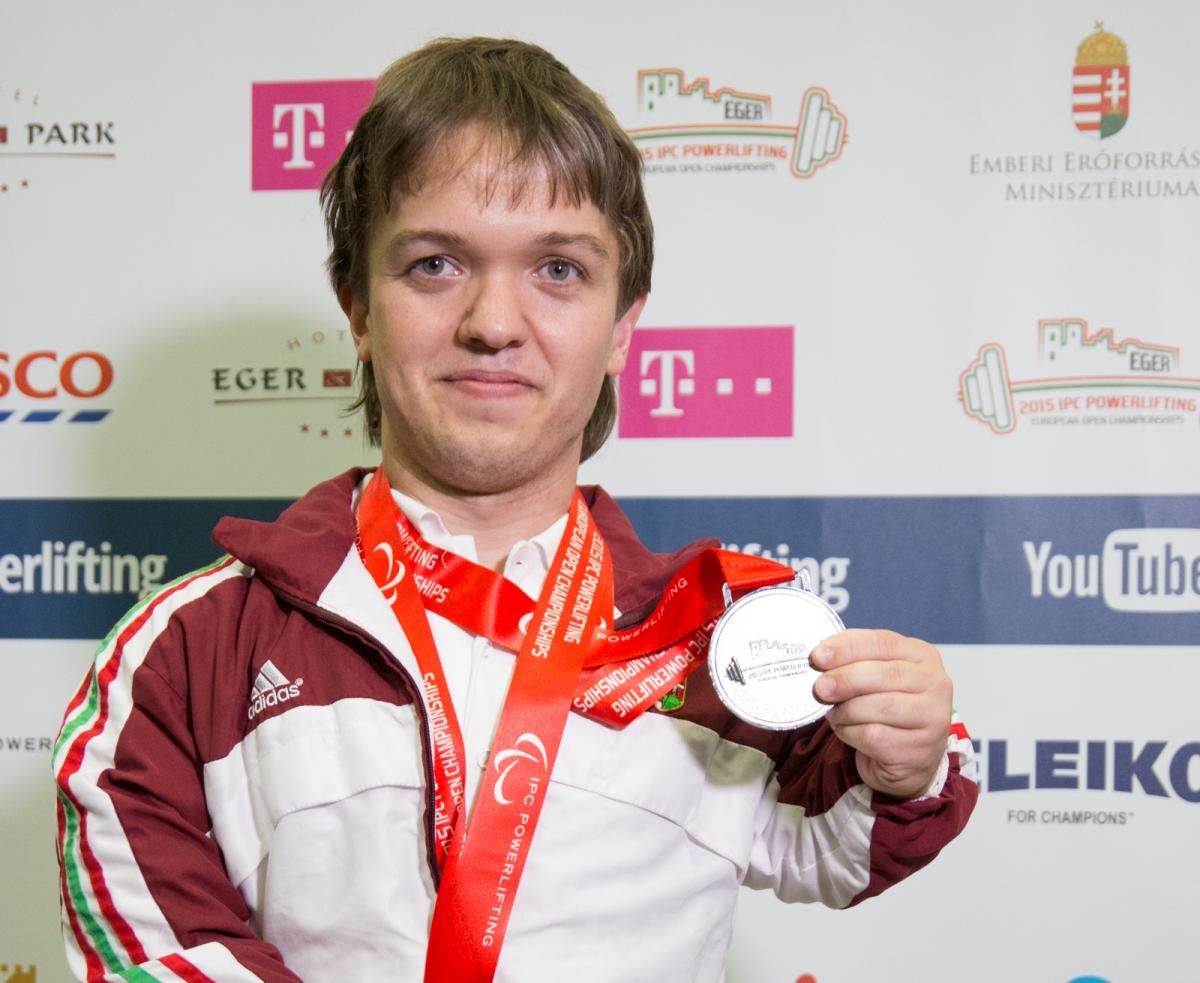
708	382
1155	768
42	375
298	129
700	128
1093	379
271	687
506	761
1150	571
1100	89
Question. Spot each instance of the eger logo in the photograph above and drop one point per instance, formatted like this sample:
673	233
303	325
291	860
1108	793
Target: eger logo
1149	571
695	127
17	973
271	687
507	760
49	386
298	129
317	377
1100	85
1082	379
708	382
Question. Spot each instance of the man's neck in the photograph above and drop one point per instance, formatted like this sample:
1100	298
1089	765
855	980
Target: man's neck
497	520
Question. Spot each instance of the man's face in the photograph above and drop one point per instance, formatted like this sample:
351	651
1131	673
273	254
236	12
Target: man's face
490	326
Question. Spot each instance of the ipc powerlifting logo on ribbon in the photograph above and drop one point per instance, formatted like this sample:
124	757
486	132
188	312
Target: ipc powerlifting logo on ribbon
692	126
708	382
1100	85
506	760
1081	379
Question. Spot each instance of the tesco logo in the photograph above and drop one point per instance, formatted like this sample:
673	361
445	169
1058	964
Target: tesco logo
45	375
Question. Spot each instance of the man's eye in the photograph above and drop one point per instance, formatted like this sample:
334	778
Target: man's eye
560	270
432	265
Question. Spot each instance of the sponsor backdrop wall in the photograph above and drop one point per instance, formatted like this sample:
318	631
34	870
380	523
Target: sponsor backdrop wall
926	322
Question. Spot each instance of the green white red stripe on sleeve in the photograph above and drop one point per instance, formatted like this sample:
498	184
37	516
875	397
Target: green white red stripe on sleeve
113	919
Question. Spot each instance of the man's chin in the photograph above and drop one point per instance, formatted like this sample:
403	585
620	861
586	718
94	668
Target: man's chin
492	468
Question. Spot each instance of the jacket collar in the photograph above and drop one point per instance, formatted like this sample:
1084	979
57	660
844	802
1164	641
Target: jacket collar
300	551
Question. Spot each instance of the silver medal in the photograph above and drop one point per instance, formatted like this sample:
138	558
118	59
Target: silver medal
759	651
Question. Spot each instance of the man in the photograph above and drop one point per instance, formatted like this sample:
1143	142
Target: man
272	771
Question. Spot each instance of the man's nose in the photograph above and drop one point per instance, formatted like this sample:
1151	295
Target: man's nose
495	318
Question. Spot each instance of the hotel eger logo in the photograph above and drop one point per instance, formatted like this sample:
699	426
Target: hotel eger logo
1081	379
690	125
303	380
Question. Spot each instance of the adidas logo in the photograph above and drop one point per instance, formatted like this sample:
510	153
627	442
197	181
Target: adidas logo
271	687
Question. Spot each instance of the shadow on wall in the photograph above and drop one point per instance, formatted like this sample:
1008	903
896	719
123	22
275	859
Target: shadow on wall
237	411
242	402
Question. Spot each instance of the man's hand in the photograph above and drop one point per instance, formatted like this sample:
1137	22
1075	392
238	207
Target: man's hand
891	699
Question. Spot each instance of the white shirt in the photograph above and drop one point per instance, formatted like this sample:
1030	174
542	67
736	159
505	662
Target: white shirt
478	672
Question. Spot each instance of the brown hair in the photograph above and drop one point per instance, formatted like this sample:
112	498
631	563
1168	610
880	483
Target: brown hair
538	114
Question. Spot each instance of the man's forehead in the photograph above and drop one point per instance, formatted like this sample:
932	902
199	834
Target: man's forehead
490	168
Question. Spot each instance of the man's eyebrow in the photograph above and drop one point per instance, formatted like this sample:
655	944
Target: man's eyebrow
438	238
590	242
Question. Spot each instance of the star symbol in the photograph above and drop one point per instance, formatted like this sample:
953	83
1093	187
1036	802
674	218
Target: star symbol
3	188
324	432
304	428
348	432
24	184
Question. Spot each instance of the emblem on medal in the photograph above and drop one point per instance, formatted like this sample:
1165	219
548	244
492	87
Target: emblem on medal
759	651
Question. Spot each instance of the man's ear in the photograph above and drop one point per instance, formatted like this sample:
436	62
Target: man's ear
356	313
623	336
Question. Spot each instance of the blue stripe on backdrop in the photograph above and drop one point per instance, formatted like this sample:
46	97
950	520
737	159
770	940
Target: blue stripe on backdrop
970	570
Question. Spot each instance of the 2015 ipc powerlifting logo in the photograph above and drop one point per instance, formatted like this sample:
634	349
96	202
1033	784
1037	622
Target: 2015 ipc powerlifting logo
689	125
1082	379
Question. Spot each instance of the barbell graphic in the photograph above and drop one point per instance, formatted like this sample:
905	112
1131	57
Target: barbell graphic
985	389
820	133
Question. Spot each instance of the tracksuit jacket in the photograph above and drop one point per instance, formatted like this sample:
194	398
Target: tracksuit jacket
245	791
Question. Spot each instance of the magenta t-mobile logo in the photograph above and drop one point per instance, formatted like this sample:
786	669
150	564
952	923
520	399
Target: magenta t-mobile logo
299	128
708	382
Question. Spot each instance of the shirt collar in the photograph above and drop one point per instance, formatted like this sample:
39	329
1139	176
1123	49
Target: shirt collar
536	552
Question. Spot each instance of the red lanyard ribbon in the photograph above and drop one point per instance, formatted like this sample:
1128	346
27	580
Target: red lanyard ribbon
567	658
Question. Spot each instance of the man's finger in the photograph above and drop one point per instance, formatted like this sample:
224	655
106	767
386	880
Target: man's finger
860	678
898	710
870	645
